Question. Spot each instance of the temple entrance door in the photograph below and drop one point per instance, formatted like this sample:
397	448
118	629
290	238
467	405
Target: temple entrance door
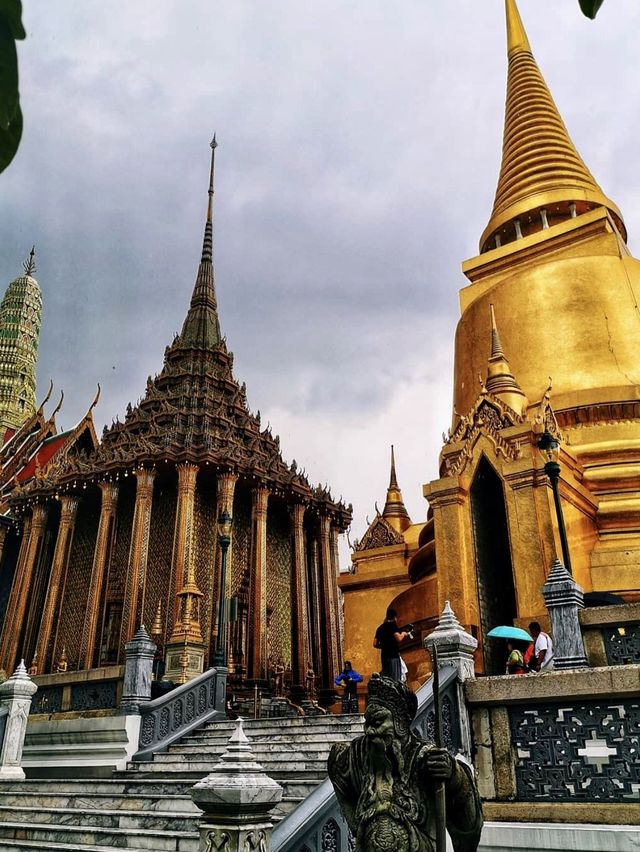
494	571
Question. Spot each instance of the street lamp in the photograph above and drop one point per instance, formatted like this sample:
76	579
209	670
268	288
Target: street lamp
224	540
550	449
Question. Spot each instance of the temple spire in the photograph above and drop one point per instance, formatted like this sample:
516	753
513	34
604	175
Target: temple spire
500	380
29	265
394	509
201	329
543	180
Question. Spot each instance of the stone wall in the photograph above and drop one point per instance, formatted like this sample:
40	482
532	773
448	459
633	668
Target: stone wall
611	634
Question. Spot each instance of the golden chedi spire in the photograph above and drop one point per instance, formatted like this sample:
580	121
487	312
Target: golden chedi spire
394	509
543	180
500	380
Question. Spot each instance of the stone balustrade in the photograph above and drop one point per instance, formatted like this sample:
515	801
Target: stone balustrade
612	634
15	699
558	747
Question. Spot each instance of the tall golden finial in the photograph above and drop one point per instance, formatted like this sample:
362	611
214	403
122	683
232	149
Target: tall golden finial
29	265
516	35
394	509
500	380
543	180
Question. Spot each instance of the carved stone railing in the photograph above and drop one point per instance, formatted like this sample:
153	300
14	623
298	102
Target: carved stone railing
558	740
317	824
90	689
612	634
166	719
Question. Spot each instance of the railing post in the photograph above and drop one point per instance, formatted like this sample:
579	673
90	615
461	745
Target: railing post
237	798
456	648
136	690
15	695
564	599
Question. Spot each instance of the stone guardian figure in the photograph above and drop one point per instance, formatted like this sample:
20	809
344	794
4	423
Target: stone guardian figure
385	780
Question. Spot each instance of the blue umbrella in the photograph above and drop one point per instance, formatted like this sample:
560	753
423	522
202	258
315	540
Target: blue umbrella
507	631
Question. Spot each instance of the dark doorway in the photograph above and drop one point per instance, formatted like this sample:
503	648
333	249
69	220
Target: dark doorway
496	592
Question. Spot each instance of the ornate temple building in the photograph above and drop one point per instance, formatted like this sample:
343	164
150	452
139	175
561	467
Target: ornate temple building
553	293
126	532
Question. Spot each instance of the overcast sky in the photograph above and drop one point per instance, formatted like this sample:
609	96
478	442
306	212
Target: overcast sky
359	151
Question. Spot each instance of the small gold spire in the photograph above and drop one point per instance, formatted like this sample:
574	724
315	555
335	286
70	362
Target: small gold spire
29	265
394	509
517	40
541	171
156	627
500	380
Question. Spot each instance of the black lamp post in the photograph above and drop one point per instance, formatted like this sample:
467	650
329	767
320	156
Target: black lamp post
550	449
224	539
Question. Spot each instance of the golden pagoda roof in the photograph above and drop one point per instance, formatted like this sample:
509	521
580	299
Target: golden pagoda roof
541	168
394	509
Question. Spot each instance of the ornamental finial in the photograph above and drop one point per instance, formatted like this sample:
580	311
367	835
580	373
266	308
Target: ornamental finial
29	265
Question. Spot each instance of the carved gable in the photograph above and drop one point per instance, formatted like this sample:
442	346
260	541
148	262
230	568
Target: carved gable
379	534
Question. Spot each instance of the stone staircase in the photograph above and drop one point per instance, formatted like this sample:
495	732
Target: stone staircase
148	806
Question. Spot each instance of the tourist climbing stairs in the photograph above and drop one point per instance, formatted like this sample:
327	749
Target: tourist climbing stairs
148	806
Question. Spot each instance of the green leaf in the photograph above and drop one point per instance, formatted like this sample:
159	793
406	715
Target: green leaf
9	98
10	139
590	7
12	11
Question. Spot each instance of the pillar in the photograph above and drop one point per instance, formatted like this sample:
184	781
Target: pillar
133	607
15	695
9	628
258	591
226	485
183	531
68	513
21	589
101	556
185	649
300	646
328	582
335	570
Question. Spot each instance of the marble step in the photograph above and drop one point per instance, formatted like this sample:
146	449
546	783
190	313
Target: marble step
321	749
319	723
9	845
79	837
196	770
120	783
89	800
99	817
217	741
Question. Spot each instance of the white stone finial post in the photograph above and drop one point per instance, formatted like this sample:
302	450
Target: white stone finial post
564	599
237	798
455	648
139	654
15	702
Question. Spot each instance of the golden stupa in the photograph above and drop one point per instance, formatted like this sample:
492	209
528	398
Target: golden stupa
553	293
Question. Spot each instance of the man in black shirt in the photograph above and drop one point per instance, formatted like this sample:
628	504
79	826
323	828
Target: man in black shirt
388	639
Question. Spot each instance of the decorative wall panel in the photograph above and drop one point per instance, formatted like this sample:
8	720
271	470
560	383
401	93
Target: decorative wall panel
158	579
204	553
241	548
76	582
279	556
583	751
118	564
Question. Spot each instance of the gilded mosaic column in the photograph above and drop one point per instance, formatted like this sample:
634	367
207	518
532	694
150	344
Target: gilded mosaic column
109	503
32	536
335	571
328	580
133	606
299	615
183	534
226	491
68	513
224	503
258	592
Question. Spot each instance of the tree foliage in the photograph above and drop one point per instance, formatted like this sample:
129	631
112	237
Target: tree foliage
590	7
11	29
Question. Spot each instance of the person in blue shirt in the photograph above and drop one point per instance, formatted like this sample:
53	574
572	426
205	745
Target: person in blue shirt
349	678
